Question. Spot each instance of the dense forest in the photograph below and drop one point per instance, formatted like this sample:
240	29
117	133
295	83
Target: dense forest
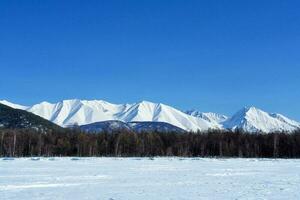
28	142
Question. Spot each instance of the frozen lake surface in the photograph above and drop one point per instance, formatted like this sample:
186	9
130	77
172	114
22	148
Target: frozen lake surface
145	179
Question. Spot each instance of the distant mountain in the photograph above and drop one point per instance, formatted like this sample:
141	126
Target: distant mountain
108	126
14	119
209	116
69	112
154	126
113	125
81	112
255	120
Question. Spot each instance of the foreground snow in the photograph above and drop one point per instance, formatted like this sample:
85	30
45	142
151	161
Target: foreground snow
143	178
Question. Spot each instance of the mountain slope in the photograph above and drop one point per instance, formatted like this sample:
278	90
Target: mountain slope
108	126
12	105
14	118
154	126
255	120
286	120
113	125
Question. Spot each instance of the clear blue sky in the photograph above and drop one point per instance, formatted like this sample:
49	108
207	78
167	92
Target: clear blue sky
210	55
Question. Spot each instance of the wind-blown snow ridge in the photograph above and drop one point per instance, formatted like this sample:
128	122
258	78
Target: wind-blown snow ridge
81	112
12	105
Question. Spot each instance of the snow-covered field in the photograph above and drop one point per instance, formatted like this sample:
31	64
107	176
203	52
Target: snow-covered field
143	178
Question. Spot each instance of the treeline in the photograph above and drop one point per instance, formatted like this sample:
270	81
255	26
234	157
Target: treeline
22	142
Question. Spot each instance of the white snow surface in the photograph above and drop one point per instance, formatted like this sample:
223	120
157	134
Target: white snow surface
81	112
149	179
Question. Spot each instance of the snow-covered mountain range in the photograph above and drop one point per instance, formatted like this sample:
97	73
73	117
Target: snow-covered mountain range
82	112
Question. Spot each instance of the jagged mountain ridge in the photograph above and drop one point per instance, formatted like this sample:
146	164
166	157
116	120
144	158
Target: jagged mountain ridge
82	112
209	116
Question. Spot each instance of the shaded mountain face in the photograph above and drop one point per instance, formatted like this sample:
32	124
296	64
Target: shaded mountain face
114	125
18	119
154	126
255	120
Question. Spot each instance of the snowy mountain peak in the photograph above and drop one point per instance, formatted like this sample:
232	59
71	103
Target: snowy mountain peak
252	119
144	102
45	103
252	109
